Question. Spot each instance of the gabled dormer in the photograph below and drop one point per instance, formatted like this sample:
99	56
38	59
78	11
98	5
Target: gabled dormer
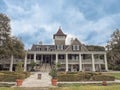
76	45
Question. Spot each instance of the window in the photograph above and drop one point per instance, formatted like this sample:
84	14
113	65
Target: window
39	49
61	56
59	47
76	47
45	49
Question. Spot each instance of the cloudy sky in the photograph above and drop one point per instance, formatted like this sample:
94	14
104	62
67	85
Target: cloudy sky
91	21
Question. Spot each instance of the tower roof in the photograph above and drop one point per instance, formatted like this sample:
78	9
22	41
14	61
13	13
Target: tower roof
59	33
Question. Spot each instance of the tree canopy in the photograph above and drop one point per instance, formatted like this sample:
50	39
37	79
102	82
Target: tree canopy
9	45
113	48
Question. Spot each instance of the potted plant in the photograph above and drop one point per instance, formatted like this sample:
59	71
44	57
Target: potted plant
19	81
53	74
20	76
104	83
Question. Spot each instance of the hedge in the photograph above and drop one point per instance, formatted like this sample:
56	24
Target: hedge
73	77
68	77
103	77
12	76
84	77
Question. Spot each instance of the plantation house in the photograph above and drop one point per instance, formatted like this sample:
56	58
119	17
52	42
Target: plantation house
73	57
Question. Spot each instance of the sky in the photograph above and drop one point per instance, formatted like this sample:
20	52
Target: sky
91	21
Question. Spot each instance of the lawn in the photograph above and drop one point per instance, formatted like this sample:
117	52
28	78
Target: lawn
6	88
81	87
21	88
116	75
88	87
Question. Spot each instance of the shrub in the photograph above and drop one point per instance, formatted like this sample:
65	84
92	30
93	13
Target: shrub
68	77
72	72
27	74
84	77
103	78
53	73
61	73
19	75
9	78
12	76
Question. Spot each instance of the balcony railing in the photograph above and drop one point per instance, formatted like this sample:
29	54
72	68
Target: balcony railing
99	61
86	61
63	61
89	61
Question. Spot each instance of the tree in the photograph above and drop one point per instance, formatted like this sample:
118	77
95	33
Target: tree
19	67
113	48
9	45
4	35
18	48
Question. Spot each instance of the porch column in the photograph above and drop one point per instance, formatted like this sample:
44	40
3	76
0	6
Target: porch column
100	67
106	65
11	64
56	59
25	63
66	62
72	68
41	58
35	57
51	59
93	63
80	63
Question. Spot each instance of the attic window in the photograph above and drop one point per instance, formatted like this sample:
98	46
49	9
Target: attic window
39	49
45	49
59	47
76	47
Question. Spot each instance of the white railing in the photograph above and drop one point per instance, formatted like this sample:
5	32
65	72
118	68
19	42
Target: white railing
86	61
63	61
89	61
99	61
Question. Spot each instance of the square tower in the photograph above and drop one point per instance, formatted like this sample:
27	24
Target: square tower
59	37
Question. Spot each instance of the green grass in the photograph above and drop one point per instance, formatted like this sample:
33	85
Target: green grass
21	88
116	75
6	88
72	87
88	87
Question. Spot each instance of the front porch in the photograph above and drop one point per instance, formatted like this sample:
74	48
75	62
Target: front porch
69	61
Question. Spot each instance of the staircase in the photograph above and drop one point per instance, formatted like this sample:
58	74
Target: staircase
45	67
